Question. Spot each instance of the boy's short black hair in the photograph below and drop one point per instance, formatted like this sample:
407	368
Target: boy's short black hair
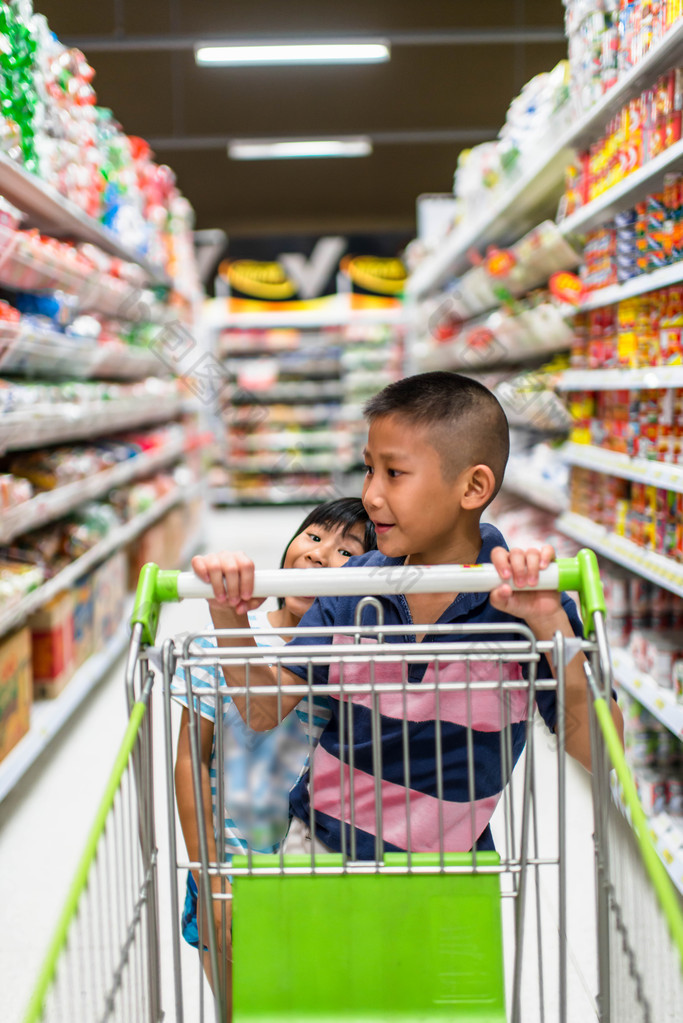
466	421
346	512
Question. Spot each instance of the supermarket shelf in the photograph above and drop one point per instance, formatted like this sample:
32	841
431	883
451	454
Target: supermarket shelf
656	567
667	834
535	490
334	313
49	354
284	440
536	410
662	56
660	702
51	424
119	537
48	717
662	278
55	503
624	195
50	211
459	355
284	393
514	211
290	461
233	497
648	377
520	207
656	474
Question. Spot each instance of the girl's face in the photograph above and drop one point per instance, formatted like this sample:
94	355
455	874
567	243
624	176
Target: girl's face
321	547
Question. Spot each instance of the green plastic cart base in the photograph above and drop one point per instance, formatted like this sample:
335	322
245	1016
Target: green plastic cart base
368	947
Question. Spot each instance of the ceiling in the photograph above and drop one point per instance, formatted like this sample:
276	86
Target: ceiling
455	65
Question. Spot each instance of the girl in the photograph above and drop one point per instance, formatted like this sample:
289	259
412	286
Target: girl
260	768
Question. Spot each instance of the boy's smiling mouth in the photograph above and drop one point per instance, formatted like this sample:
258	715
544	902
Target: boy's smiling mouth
382	527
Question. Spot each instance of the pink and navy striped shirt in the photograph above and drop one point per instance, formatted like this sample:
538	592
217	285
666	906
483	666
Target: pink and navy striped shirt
411	811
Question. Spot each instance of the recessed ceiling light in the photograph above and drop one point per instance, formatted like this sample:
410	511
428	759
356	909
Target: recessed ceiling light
293	53
266	149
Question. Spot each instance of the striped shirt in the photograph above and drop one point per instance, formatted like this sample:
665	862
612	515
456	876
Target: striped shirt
260	768
411	808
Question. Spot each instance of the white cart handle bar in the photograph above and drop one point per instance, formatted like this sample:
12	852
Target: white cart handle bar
156	586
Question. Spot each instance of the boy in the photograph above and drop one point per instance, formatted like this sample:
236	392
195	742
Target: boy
436	453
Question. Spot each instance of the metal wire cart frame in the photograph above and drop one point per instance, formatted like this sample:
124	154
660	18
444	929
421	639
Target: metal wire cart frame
444	934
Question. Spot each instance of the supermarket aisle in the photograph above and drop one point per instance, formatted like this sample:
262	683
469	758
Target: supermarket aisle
43	826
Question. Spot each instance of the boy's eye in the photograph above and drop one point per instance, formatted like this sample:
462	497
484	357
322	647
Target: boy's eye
314	536
345	554
368	470
393	473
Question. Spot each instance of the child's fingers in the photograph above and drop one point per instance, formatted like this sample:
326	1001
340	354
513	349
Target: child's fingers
547	555
210	571
246	575
500	559
519	566
231	563
199	567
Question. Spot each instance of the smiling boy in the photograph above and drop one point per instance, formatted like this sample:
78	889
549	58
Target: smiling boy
436	453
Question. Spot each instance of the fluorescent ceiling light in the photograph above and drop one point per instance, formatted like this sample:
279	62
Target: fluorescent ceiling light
298	149
293	53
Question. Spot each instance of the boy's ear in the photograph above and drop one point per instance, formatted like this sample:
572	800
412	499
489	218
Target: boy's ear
480	485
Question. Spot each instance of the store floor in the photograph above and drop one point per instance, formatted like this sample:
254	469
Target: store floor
44	822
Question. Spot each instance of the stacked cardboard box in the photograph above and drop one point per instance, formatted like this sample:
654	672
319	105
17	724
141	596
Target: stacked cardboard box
15	688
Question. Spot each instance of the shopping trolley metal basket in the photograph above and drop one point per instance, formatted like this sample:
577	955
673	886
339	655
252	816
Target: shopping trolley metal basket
454	930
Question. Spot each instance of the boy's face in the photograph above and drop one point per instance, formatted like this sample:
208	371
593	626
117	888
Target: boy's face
414	509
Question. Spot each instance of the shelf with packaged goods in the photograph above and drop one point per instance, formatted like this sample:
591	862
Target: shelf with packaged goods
626	193
298	493
287	440
292	460
276	343
614	463
535	490
296	369
520	207
667	834
290	393
661	278
52	213
643	378
656	567
37	425
660	702
48	717
14	615
53	504
517	209
337	312
28	351
531	335
29	264
300	417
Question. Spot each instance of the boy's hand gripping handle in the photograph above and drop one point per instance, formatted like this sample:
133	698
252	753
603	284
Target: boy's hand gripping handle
156	586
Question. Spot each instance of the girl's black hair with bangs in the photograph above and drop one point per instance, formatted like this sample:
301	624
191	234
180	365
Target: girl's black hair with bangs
346	512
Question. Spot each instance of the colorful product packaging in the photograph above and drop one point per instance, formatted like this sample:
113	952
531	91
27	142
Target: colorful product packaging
16	690
83	619
52	646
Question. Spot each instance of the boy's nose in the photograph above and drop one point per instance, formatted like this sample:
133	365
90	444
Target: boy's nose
372	497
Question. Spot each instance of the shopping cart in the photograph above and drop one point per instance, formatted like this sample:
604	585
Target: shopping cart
103	960
464	933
